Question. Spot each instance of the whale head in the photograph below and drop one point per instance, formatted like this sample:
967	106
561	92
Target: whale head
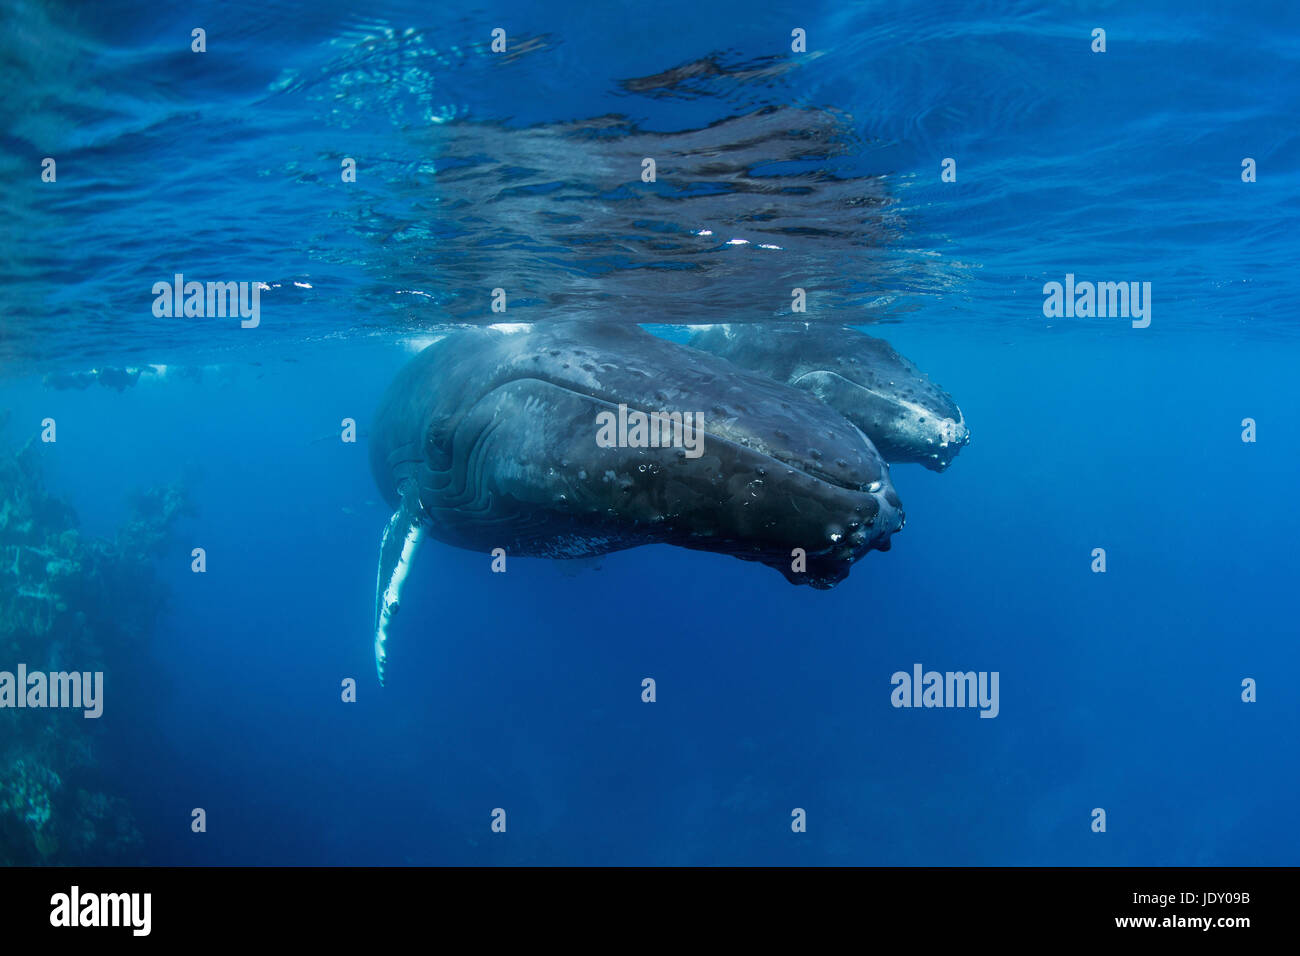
571	438
906	416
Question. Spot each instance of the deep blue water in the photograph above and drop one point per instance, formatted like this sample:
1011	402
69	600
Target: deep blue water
522	691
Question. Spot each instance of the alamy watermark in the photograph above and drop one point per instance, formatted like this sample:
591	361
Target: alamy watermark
654	430
1102	300
130	910
211	300
949	689
74	689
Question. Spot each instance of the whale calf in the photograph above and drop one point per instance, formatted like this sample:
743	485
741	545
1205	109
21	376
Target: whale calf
492	438
908	417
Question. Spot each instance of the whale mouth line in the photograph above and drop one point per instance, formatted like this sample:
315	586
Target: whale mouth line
612	405
958	422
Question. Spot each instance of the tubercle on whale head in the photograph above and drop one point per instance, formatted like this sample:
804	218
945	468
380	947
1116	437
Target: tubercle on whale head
948	437
829	562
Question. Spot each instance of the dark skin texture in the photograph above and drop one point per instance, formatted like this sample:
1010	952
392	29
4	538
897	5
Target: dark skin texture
494	435
907	417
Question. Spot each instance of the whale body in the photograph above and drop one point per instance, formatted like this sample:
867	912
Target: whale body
492	438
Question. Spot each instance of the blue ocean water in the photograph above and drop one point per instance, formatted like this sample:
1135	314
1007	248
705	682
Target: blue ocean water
819	169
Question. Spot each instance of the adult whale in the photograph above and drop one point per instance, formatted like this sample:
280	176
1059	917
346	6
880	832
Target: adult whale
492	438
907	416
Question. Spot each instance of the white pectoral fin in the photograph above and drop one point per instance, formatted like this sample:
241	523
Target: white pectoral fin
402	536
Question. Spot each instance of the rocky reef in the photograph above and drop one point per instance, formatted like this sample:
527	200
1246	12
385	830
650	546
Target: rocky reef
76	602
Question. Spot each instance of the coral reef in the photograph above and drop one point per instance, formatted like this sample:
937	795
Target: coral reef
68	601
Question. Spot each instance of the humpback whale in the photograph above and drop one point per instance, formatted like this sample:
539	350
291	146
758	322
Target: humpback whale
488	439
906	416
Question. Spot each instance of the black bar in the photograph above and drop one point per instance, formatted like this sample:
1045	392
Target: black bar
923	904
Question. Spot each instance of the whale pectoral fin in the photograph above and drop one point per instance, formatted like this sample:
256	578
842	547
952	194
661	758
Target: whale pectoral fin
402	536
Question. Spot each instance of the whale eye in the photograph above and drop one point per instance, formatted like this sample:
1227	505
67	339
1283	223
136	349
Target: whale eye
874	487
